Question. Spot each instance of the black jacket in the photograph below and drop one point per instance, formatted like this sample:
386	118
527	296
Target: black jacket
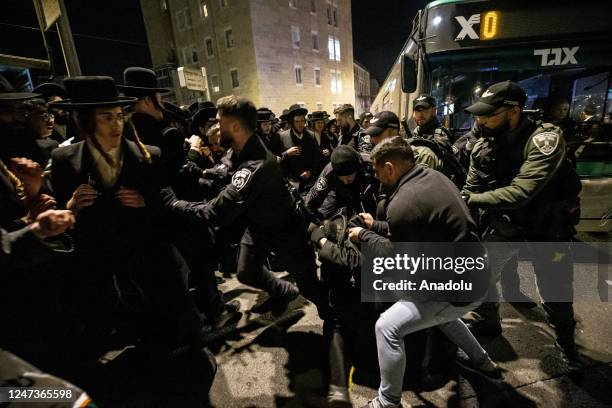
352	138
329	195
272	142
293	166
162	134
425	206
257	191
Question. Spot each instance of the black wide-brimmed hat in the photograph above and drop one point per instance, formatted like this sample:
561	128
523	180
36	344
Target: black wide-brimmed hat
264	115
49	89
206	112
318	115
8	94
139	82
92	92
283	117
295	110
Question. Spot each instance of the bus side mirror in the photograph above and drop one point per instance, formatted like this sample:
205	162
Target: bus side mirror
408	73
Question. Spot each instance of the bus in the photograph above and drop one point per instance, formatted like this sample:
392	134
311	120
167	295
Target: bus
559	51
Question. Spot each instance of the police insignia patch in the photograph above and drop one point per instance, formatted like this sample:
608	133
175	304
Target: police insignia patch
546	142
321	184
241	178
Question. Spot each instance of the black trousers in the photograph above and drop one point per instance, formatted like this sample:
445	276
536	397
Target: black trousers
294	253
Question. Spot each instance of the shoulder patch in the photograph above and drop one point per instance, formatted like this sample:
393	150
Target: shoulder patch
546	142
241	178
321	183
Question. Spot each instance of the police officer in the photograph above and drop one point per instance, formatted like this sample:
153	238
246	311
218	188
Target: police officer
431	141
351	132
526	189
428	126
258	193
386	124
344	182
300	150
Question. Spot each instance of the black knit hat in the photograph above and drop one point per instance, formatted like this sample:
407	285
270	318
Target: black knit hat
345	160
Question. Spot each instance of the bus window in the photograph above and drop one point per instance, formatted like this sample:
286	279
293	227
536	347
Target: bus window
589	97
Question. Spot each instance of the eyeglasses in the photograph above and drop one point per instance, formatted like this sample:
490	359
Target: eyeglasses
492	114
46	117
110	117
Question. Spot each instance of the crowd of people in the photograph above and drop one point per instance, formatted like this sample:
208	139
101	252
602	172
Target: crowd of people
118	208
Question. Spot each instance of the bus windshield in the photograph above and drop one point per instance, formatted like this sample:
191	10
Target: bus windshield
579	100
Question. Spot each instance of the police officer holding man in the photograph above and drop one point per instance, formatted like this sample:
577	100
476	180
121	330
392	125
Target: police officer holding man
526	190
258	193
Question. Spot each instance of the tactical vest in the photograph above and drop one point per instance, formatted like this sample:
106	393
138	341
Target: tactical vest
556	208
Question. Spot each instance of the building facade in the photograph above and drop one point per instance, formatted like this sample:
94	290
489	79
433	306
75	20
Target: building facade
274	52
363	92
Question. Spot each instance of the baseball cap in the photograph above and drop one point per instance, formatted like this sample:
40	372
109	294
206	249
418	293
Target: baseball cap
381	121
506	93
426	101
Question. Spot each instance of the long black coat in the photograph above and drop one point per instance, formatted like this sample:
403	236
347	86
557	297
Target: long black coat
293	166
123	253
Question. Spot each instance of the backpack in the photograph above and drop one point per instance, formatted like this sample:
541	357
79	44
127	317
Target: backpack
452	166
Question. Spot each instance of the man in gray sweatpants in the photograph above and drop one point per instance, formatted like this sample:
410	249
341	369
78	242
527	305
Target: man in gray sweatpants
422	206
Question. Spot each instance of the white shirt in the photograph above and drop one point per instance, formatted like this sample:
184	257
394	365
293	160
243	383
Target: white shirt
108	173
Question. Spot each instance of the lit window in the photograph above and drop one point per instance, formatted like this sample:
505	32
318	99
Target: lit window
234	78
214	83
298	75
295	36
336	82
337	48
333	46
204	9
229	38
164	5
315	41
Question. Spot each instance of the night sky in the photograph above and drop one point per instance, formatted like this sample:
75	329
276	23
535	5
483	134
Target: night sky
110	35
380	28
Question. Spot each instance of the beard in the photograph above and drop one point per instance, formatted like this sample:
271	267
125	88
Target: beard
226	139
496	132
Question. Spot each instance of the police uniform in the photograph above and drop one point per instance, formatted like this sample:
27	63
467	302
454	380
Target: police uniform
329	194
527	190
259	193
